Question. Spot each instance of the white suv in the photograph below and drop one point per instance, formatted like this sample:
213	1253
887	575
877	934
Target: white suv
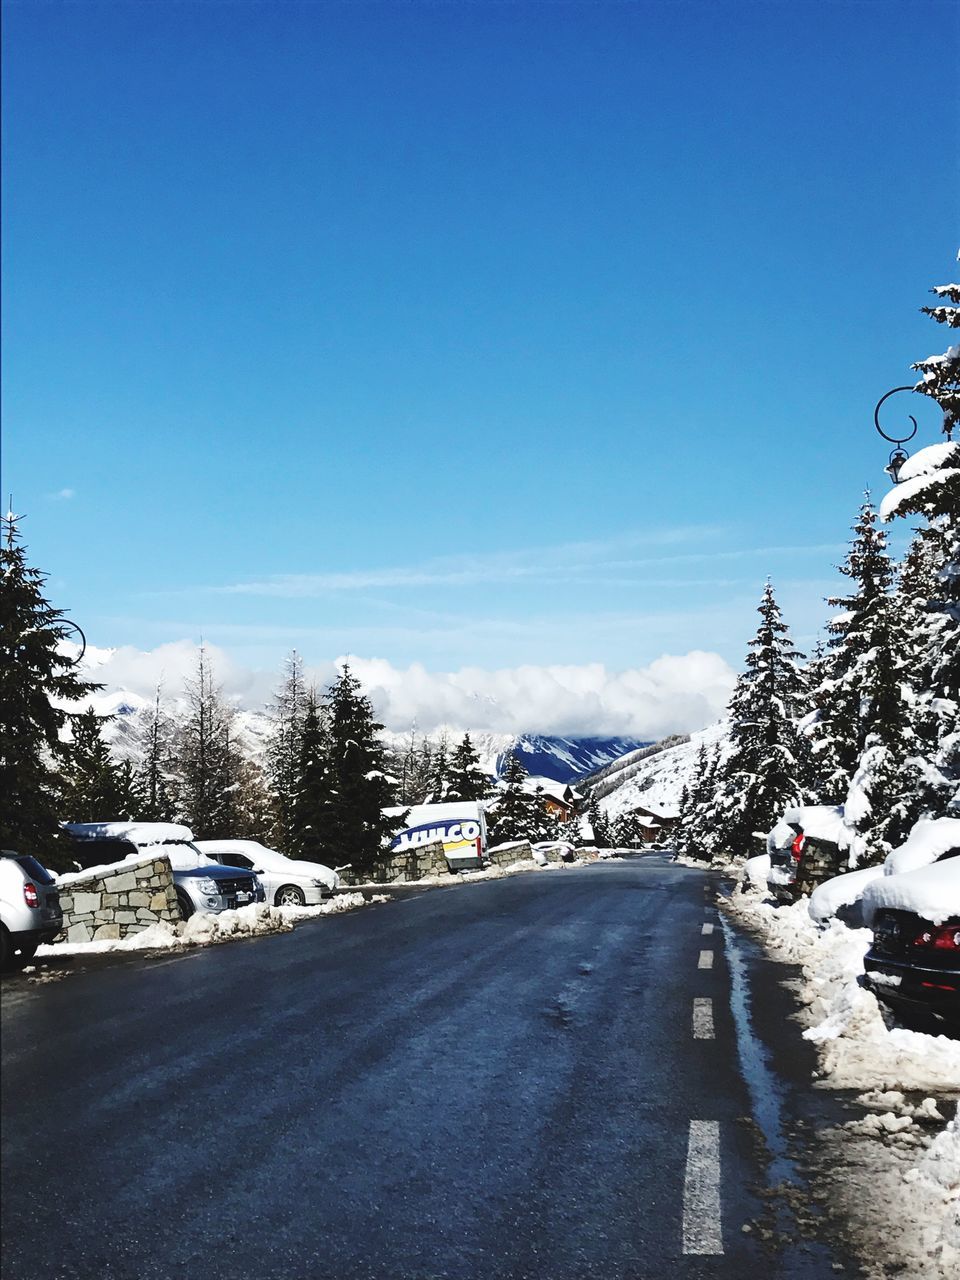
30	910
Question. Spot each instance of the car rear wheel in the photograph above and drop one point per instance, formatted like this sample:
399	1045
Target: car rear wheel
289	895
185	905
15	957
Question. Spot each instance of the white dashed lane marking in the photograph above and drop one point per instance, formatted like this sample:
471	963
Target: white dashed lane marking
703	1019
706	960
702	1232
707	929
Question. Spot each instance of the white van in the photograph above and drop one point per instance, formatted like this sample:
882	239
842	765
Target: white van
459	825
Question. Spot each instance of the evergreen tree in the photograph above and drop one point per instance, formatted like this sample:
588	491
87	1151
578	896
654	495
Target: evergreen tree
209	763
36	680
94	788
156	774
696	835
359	832
439	774
515	816
599	824
840	731
932	491
767	760
569	829
467	780
313	815
284	752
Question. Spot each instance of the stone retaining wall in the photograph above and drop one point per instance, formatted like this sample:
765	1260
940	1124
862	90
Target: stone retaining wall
413	864
118	901
504	854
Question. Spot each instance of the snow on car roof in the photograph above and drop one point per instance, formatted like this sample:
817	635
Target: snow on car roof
928	839
932	892
840	891
138	833
232	846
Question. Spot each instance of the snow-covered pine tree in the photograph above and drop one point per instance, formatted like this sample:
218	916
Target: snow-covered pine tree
440	773
287	711
696	829
765	768
94	787
515	817
208	763
930	488
154	736
359	831
599	824
876	805
467	780
683	811
36	679
839	733
312	817
569	829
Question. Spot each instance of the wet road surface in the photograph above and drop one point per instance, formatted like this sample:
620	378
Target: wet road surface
535	1078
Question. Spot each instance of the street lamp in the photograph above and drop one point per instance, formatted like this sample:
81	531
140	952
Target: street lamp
898	455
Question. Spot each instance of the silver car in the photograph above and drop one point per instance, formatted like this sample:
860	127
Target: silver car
30	910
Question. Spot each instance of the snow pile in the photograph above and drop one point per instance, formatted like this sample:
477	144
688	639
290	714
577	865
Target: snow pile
258	918
905	1190
937	1176
202	929
854	1046
757	870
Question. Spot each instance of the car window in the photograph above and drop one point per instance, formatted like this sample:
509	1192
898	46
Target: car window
34	869
238	860
100	853
951	853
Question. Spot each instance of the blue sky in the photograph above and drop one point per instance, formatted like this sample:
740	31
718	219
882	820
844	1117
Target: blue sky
462	334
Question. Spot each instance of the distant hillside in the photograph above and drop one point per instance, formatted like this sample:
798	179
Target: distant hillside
652	777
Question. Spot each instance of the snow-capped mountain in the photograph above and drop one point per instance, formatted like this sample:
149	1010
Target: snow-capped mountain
653	776
561	759
564	759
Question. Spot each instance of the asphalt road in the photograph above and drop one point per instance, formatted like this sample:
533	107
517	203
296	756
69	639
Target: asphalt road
499	1080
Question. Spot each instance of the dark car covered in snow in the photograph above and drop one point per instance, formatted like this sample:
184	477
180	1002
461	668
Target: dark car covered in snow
913	965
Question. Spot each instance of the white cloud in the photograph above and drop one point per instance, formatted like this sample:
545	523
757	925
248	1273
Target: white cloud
673	694
63	495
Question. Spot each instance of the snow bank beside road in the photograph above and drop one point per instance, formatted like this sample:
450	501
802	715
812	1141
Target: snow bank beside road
201	929
854	1046
889	1178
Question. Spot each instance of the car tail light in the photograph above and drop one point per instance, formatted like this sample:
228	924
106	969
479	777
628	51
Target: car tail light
944	937
30	895
797	847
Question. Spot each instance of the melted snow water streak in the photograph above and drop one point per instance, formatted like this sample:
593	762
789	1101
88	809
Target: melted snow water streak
761	1082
